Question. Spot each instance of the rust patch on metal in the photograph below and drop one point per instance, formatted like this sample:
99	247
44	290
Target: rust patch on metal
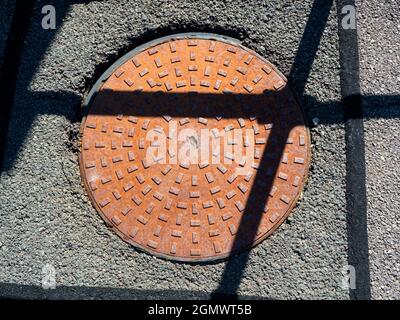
206	96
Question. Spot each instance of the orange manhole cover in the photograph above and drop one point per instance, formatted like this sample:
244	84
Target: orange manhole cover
193	147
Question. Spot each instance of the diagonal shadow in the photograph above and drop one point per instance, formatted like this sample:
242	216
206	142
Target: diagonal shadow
9	70
356	191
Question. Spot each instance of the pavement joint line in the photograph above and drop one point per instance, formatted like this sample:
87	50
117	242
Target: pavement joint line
356	195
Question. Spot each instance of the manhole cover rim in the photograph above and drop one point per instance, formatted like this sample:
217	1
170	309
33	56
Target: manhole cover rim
126	57
179	36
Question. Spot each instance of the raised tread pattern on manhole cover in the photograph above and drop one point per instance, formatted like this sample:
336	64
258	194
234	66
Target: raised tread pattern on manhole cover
167	94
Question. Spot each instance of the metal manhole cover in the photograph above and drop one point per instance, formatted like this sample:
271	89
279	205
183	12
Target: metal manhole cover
193	147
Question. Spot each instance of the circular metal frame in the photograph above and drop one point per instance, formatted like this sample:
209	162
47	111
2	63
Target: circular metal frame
97	88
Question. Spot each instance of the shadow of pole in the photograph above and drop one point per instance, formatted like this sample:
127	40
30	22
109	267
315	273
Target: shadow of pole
252	214
300	71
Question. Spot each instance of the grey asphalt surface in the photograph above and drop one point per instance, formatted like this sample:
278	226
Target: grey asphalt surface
46	217
379	40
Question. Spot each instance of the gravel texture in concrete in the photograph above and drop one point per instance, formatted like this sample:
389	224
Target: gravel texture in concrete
379	39
45	215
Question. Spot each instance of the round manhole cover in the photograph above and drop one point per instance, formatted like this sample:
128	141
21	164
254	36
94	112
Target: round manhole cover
193	147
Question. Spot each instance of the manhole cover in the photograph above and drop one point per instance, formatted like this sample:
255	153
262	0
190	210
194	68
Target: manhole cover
193	147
